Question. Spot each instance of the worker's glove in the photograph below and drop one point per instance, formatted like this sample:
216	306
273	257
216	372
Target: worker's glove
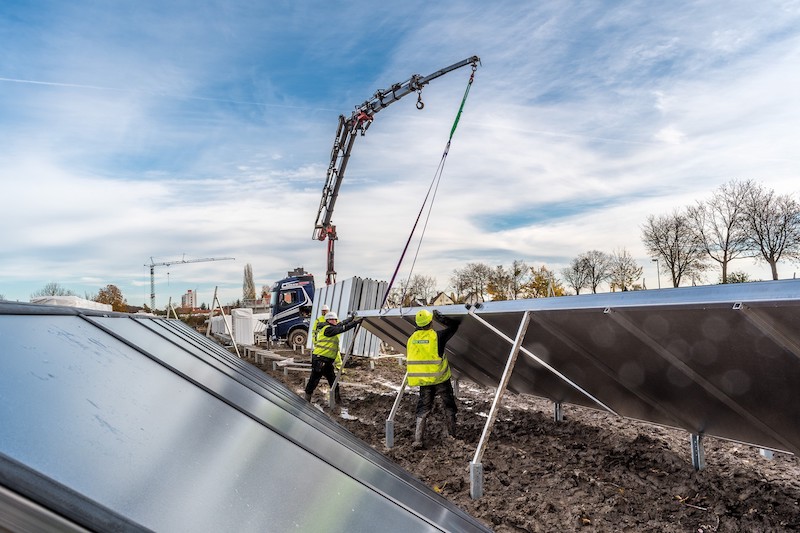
437	315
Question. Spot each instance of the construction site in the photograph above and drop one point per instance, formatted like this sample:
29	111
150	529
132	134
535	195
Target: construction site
653	410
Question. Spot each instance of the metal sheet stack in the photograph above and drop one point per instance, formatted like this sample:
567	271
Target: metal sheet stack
350	296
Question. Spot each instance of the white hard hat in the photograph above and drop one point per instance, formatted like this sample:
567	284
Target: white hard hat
331	316
326	308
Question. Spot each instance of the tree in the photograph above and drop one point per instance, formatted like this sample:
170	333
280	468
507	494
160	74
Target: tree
576	275
597	265
53	289
472	279
418	287
542	284
721	224
673	239
499	286
623	270
773	223
248	286
506	283
112	296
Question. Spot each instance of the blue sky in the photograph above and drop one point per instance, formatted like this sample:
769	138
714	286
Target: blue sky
131	130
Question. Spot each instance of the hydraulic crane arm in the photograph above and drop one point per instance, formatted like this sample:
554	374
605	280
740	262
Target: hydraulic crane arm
346	134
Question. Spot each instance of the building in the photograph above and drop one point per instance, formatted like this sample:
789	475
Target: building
189	300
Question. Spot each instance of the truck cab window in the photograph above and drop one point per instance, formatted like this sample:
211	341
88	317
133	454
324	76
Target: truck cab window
288	298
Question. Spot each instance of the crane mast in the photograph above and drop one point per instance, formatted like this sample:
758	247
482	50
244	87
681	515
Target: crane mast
153	266
350	128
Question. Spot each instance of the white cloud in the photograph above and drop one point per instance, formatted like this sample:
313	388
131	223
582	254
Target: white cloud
207	132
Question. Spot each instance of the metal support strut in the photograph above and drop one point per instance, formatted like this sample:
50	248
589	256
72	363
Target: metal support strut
475	467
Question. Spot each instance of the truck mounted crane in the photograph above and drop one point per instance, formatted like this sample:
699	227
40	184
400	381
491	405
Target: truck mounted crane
350	128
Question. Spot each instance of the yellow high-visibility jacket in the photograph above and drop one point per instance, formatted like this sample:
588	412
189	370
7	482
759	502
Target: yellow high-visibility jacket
425	366
326	346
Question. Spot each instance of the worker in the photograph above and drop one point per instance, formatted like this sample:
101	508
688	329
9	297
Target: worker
428	368
326	348
320	320
337	364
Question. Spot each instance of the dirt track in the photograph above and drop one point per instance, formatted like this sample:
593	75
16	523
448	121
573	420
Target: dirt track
593	472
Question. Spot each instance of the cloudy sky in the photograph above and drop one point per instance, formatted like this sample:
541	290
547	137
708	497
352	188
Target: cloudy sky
147	131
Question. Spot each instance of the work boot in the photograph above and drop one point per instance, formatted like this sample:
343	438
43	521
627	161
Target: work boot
308	396
419	433
450	421
337	396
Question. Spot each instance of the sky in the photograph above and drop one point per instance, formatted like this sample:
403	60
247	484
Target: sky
140	132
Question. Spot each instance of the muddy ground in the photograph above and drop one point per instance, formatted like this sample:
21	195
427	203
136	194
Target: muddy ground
591	472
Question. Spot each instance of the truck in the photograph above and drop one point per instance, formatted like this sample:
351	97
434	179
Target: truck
291	300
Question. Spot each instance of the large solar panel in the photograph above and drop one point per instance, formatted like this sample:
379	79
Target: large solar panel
121	423
719	360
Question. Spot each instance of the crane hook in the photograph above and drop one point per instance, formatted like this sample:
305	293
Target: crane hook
420	103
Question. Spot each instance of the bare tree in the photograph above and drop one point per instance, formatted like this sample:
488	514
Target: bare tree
472	279
623	270
673	239
721	223
418	287
575	275
460	284
410	290
597	266
53	289
773	223
248	286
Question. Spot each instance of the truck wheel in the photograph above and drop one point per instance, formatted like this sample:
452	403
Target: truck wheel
298	337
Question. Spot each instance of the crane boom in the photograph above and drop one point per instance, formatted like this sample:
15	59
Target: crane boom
153	266
346	134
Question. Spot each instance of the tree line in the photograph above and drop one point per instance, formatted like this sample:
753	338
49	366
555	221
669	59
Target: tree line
741	219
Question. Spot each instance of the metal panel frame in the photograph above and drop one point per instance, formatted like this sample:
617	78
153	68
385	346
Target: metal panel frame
717	360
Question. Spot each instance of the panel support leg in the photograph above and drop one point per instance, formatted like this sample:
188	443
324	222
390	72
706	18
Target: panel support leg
475	480
558	412
476	469
390	420
698	454
390	434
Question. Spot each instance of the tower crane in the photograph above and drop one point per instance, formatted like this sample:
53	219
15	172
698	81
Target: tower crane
359	122
181	261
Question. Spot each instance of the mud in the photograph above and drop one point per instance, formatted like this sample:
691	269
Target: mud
591	472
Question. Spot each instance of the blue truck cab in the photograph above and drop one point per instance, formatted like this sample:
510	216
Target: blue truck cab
290	307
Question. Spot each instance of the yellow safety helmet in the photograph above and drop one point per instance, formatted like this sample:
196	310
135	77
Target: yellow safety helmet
424	318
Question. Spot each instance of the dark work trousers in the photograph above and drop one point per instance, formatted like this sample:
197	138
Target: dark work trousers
320	366
427	394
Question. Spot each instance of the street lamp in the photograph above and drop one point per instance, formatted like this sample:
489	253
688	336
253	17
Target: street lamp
658	271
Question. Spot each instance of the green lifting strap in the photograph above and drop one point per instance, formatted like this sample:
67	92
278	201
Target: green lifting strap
463	101
433	187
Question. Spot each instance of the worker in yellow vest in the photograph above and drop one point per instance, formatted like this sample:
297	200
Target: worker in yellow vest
326	349
337	363
428	369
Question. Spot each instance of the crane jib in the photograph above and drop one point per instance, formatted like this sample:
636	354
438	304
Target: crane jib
358	123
